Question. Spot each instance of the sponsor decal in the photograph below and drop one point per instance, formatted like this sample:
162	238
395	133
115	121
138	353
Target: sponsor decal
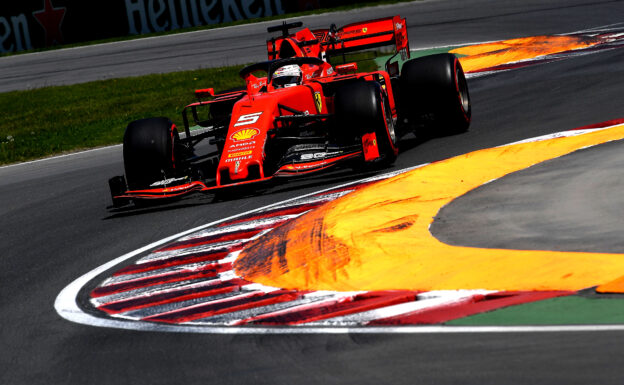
167	181
242	146
146	16
318	101
354	32
232	149
16	35
244	134
244	120
369	145
319	155
238	159
237	154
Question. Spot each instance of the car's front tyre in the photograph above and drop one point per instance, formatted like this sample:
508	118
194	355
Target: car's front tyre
149	152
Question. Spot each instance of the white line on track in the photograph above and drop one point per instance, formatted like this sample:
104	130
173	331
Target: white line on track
606	27
56	157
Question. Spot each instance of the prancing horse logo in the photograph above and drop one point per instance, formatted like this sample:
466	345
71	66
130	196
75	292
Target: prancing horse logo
318	102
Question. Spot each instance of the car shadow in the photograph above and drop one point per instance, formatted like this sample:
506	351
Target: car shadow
321	181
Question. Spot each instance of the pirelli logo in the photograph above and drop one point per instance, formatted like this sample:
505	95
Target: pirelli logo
237	154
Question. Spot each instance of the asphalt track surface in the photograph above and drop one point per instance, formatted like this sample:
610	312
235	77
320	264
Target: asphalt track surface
578	199
430	23
55	227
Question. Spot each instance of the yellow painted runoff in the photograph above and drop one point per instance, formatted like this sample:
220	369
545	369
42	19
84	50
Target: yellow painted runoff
378	238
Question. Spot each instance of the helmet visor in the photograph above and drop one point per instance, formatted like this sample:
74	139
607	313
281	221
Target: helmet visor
284	80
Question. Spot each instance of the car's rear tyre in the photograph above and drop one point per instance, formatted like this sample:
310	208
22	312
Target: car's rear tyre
434	95
362	108
149	151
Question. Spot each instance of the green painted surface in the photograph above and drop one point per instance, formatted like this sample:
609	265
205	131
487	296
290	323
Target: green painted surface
381	60
572	310
431	51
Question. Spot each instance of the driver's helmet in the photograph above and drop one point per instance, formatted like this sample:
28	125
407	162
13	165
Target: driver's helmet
287	76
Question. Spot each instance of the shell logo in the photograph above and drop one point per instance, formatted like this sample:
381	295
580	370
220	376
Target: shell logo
244	134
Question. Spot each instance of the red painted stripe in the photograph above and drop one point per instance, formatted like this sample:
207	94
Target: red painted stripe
206	273
341	307
469	306
291	210
226	306
173	296
213	255
217	238
601	125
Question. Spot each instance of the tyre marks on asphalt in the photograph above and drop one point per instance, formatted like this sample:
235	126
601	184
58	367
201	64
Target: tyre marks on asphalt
487	58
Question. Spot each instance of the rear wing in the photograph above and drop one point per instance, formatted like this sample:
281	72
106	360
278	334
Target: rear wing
390	31
364	35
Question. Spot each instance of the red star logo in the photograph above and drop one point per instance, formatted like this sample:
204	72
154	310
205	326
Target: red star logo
51	19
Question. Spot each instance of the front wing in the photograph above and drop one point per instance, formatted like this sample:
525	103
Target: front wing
288	170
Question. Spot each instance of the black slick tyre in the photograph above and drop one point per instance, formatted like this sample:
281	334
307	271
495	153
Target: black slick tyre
434	94
149	152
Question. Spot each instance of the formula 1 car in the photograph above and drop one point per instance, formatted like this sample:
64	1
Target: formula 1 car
297	114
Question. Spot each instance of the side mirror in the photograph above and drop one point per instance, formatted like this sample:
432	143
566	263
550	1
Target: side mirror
203	93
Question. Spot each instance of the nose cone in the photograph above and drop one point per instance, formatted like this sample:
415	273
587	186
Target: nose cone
241	153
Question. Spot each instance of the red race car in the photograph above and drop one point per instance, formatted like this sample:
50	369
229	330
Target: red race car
298	114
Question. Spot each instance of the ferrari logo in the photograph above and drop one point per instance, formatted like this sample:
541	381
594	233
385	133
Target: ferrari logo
318	101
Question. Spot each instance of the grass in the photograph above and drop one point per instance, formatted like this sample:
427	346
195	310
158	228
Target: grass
54	120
